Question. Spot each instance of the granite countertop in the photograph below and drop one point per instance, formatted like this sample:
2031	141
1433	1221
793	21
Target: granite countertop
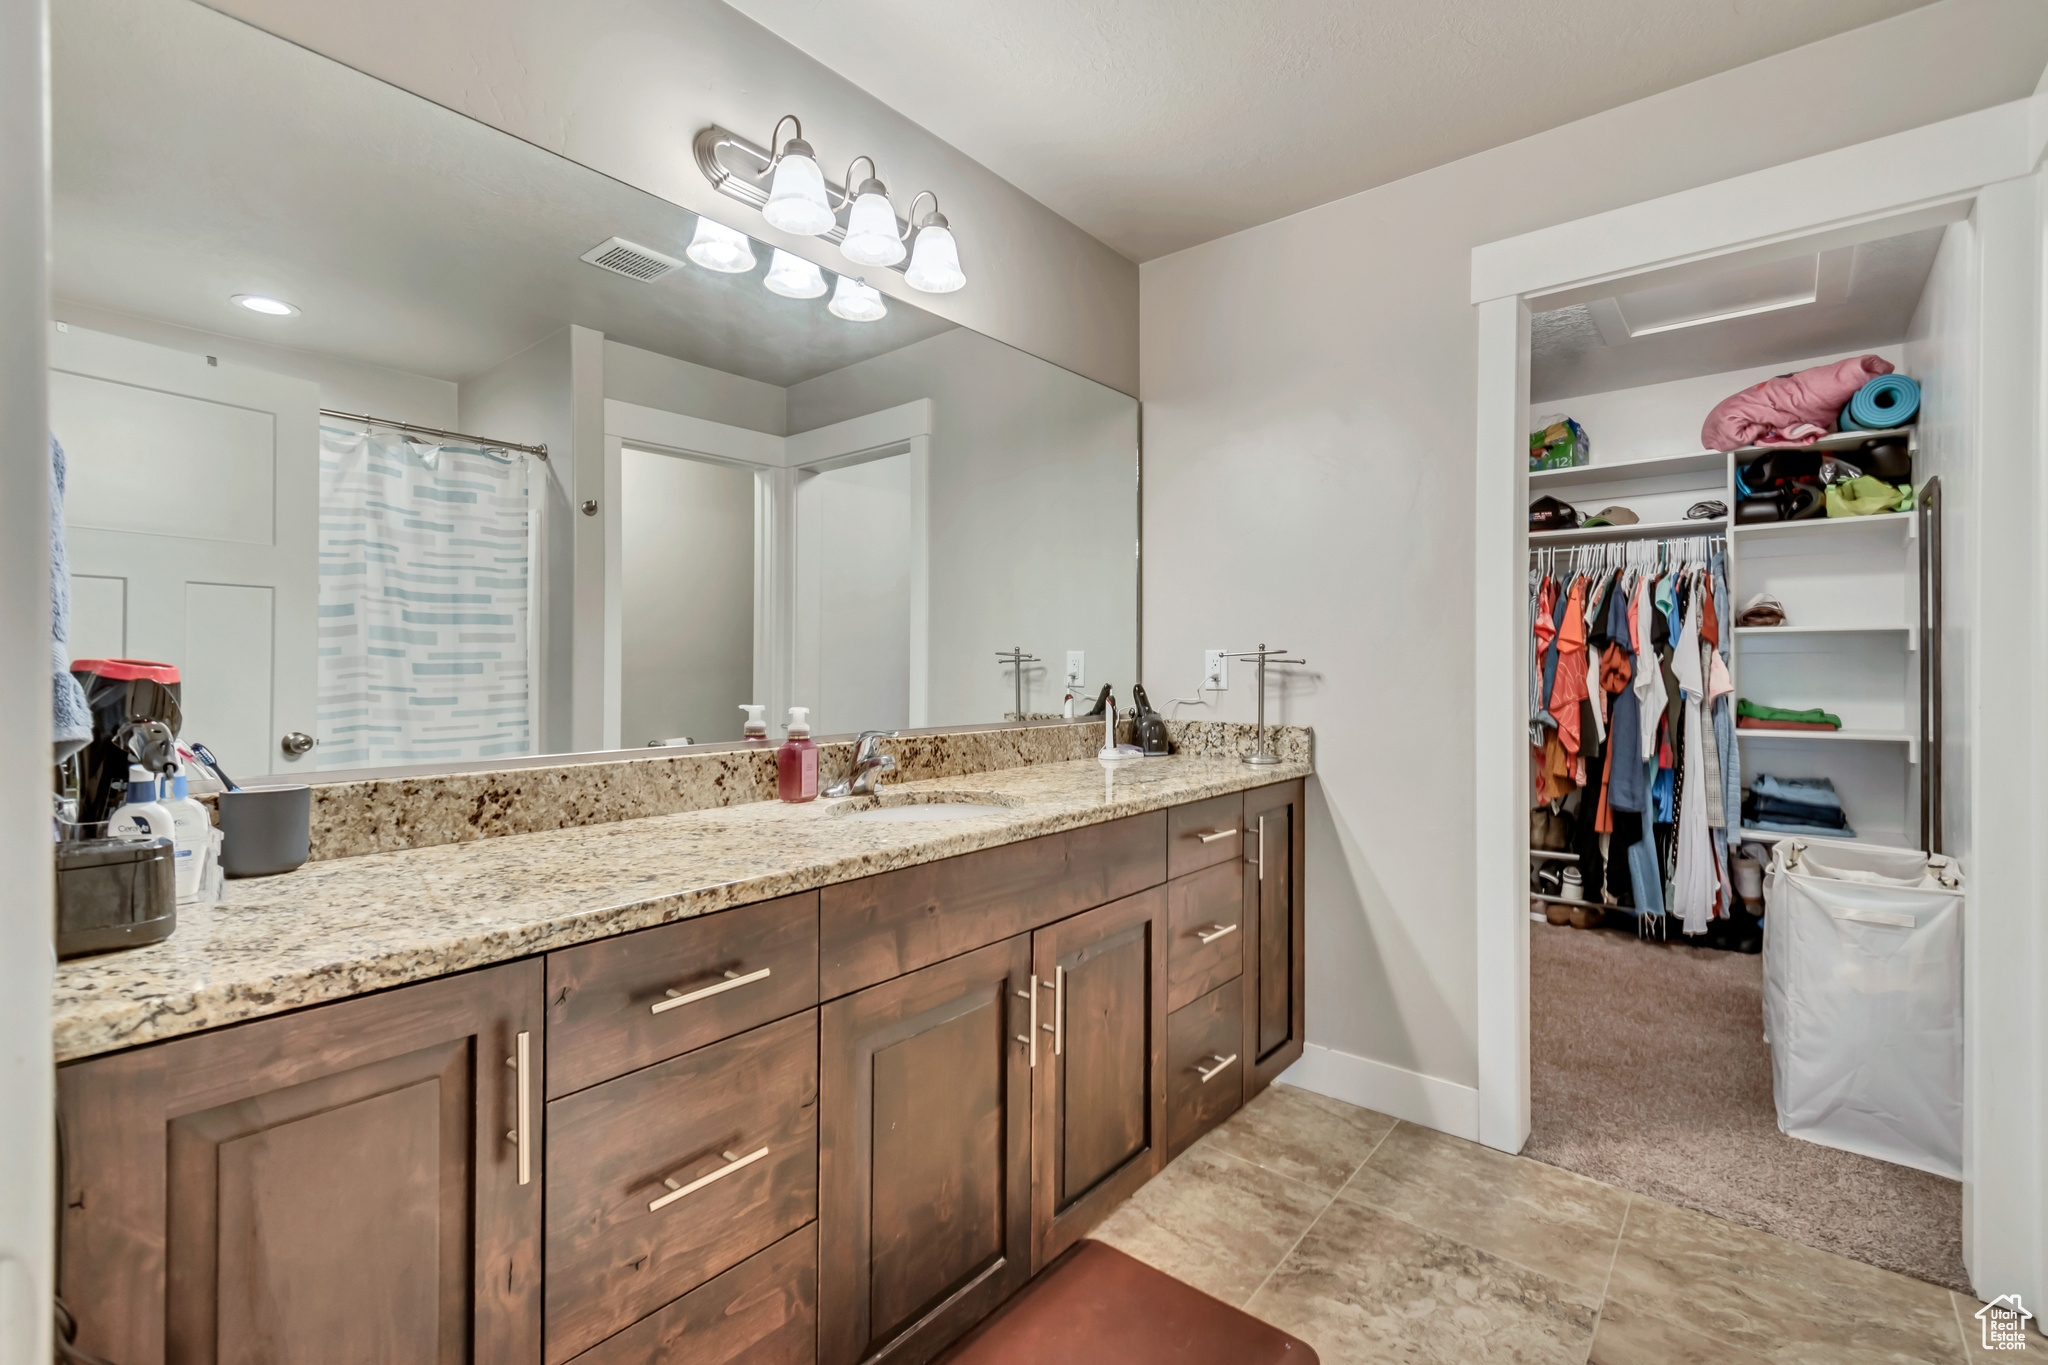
348	926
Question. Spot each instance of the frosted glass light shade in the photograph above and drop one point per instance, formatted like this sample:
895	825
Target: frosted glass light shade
935	261
857	302
793	277
796	196
871	229
718	247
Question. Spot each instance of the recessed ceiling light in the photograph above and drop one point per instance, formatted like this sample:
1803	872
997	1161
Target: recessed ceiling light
263	303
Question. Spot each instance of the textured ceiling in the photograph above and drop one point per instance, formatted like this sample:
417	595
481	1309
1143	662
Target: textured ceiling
1158	124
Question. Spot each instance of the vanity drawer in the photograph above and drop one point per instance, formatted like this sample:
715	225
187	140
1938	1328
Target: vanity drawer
885	926
1204	834
764	1311
1205	932
1202	1040
609	1007
733	1125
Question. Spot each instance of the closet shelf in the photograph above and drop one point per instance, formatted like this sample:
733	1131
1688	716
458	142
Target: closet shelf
1713	462
1831	736
1646	530
1884	521
1835	440
1823	630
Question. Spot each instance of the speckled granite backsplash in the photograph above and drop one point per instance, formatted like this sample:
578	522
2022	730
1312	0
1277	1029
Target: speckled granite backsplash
383	815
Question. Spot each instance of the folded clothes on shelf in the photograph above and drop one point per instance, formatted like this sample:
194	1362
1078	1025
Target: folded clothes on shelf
1793	827
1762	610
1795	805
1750	716
1806	791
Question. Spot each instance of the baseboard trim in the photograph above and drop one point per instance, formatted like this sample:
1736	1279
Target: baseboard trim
1428	1100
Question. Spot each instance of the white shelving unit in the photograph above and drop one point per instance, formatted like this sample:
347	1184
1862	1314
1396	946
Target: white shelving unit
1850	590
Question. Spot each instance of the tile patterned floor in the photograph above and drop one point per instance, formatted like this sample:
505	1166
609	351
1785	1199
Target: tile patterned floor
1376	1240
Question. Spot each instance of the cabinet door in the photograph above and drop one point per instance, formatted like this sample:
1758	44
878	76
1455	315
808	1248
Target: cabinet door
1274	1021
339	1184
1098	1090
924	1159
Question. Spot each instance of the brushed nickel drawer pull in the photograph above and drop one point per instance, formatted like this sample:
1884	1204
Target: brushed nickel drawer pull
732	980
1210	933
522	1132
1059	1011
1210	836
1030	1036
677	1191
1209	1074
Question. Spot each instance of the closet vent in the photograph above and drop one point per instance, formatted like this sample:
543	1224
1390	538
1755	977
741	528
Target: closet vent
630	259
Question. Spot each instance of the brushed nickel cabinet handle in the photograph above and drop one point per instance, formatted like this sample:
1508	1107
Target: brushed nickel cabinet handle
1210	836
521	1135
1210	933
1209	1074
732	980
1261	864
1030	1035
1059	1010
676	1189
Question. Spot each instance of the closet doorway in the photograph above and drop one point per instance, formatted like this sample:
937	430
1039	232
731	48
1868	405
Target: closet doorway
1624	1046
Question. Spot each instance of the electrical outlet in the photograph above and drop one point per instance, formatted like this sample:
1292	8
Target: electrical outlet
1074	667
1215	670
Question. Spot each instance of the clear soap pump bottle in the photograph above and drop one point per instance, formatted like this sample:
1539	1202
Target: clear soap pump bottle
756	729
796	762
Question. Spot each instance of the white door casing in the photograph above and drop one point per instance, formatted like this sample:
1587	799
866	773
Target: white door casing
192	507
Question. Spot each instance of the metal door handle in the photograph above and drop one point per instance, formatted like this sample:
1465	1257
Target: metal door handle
676	1189
521	1135
296	742
1210	836
1209	1074
732	979
1260	861
1214	932
1058	1027
1030	1036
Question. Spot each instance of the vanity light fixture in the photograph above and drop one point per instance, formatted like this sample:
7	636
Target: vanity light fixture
784	181
796	194
263	303
935	257
793	277
718	247
857	301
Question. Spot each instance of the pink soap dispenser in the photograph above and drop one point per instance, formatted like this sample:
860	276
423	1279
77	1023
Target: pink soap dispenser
796	762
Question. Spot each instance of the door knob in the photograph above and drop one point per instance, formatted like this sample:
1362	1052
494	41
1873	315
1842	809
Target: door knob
296	742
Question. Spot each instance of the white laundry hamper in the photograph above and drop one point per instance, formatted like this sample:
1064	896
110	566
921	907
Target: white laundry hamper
1863	1000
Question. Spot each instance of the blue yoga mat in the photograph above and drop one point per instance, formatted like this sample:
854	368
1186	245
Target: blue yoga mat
1890	400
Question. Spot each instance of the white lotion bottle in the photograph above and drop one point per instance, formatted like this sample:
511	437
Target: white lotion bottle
192	832
756	728
141	816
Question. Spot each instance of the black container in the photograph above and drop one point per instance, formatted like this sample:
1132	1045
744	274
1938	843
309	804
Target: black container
265	830
115	893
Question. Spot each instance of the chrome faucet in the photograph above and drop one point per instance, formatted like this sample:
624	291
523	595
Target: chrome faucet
868	764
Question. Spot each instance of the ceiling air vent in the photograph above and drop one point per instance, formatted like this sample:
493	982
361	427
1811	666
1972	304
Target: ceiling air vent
630	259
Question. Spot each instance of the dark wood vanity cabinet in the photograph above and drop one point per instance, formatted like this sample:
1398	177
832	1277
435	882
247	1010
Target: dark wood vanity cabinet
842	1126
337	1184
1275	1021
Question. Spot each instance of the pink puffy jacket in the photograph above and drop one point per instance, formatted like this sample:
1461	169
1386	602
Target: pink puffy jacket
1795	410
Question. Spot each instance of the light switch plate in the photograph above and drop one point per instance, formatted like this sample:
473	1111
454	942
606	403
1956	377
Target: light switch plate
1215	670
1074	667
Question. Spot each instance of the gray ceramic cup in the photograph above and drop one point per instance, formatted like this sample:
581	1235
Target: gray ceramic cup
265	830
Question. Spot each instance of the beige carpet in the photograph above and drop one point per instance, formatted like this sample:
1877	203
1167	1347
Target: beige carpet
1648	1070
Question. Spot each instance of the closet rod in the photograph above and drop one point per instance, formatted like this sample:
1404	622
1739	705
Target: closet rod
487	444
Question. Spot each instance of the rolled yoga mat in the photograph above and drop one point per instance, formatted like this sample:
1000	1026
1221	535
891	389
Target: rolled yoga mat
1890	400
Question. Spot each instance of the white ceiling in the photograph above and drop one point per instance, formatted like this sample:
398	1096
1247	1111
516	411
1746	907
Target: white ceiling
1158	124
196	158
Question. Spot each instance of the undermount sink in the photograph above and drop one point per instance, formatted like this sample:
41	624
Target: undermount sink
906	807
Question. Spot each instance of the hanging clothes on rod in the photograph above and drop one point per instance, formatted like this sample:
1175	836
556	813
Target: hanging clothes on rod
1631	727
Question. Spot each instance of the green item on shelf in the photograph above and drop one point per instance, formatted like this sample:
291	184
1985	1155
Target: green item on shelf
1813	716
1558	443
1865	496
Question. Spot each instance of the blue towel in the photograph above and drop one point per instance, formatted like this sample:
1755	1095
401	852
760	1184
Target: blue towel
72	719
1890	400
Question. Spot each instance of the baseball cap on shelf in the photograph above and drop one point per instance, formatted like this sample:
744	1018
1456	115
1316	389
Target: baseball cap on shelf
1613	516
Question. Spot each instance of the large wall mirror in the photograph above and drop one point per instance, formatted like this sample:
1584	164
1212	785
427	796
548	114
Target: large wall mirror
333	518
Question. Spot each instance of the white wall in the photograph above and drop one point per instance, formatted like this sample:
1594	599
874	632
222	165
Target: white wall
345	385
27	1205
1033	514
652	380
623	85
1309	412
1941	352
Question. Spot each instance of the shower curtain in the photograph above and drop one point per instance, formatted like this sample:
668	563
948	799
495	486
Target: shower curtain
424	601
